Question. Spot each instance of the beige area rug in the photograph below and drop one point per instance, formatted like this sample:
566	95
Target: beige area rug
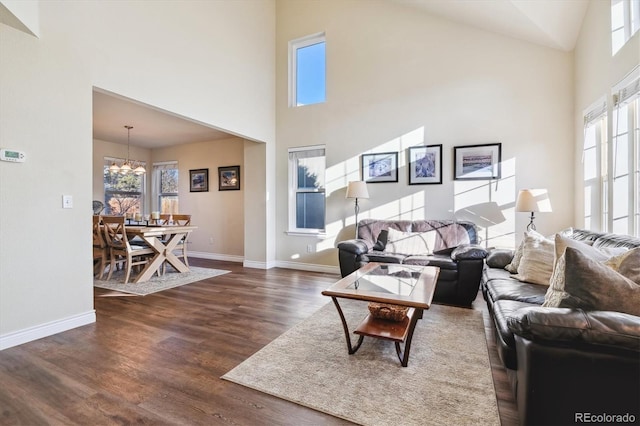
169	280
447	382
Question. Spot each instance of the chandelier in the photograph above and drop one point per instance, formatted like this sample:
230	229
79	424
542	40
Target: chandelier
136	168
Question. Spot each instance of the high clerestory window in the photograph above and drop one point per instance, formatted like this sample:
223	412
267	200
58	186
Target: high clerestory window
307	70
625	21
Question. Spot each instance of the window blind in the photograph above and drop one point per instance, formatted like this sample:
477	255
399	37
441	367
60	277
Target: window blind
595	112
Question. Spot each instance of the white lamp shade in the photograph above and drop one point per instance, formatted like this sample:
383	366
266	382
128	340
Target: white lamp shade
126	168
357	189
527	202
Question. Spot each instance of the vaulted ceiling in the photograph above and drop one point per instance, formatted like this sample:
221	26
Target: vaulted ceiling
550	23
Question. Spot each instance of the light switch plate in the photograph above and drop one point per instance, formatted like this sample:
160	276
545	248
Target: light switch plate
67	201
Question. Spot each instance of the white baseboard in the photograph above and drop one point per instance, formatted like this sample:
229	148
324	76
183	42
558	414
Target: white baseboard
312	267
258	265
266	265
216	256
43	330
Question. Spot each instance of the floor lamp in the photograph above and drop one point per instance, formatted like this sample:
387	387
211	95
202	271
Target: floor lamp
357	189
526	202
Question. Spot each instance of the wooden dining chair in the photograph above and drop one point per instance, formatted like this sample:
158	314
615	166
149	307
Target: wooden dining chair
120	251
181	248
100	249
164	219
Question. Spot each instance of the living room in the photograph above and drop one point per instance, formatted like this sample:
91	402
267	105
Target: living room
397	77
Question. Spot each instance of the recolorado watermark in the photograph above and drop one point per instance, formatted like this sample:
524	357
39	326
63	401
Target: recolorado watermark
604	418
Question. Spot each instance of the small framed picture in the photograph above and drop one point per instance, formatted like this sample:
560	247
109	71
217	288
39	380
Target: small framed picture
477	162
229	178
381	167
199	180
425	165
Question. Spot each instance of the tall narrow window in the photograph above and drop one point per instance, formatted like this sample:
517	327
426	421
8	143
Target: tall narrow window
165	185
593	164
307	70
307	189
122	193
623	184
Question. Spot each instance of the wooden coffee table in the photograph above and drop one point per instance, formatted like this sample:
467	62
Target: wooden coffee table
404	285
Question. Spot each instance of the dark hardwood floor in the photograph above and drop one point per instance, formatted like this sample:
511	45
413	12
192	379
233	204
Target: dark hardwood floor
158	359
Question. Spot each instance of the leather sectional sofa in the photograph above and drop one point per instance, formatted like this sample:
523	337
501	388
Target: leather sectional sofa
453	248
564	364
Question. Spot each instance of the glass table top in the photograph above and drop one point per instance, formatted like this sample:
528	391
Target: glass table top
392	279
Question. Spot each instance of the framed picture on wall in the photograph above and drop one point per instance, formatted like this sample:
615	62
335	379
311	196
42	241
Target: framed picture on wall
425	165
199	180
381	167
477	162
229	178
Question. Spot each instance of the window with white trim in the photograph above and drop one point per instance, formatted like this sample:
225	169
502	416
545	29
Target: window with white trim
165	187
611	161
623	184
307	203
593	166
123	193
307	70
625	21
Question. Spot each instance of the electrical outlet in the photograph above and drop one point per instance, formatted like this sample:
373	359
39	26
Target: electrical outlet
211	240
309	248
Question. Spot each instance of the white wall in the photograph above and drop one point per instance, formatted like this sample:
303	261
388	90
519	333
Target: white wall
208	61
596	72
398	77
219	215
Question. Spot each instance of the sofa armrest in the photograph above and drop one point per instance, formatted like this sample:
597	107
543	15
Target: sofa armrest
468	251
356	246
605	330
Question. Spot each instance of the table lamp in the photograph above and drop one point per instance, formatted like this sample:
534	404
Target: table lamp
527	202
357	189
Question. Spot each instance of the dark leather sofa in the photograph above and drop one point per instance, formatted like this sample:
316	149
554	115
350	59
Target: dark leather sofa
460	265
564	362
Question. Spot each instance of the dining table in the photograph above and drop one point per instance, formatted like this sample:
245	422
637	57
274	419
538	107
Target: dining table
163	240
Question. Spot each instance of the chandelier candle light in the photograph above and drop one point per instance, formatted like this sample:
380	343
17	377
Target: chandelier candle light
126	166
357	189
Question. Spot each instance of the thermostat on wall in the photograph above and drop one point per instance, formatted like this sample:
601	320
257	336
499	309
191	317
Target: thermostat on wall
12	155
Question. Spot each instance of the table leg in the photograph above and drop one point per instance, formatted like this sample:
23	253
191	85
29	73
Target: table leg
352	349
155	263
404	357
172	258
164	252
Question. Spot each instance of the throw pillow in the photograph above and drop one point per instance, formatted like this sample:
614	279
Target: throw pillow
562	243
627	264
536	265
555	293
381	242
592	285
499	258
410	243
517	256
515	262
